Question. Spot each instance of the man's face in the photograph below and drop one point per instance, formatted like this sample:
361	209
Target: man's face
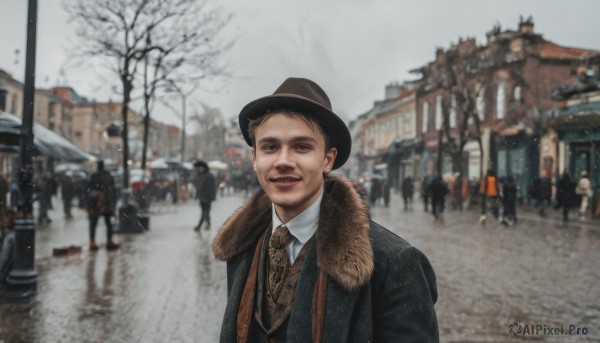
289	160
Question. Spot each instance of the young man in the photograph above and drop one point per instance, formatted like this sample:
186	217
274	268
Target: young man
304	261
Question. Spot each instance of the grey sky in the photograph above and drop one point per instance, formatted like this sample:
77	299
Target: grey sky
352	48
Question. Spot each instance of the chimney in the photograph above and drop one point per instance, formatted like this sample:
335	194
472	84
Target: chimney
393	90
526	26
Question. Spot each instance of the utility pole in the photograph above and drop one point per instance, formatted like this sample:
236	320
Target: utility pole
183	124
22	280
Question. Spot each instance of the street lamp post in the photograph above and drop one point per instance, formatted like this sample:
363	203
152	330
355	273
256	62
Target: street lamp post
173	88
183	124
22	280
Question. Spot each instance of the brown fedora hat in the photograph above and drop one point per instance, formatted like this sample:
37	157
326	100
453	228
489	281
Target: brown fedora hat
307	96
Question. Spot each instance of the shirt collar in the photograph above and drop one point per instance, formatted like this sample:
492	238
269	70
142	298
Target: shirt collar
304	225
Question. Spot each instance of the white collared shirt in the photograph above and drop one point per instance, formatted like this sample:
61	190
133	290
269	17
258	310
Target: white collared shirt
302	227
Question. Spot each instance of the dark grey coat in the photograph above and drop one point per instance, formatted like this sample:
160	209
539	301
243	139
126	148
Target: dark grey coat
206	188
380	288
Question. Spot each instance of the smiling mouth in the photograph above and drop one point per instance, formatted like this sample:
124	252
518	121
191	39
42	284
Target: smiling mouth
285	180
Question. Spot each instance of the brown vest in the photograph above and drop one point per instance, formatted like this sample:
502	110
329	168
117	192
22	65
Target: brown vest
271	315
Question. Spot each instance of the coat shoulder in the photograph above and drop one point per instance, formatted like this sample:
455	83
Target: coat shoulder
391	250
384	241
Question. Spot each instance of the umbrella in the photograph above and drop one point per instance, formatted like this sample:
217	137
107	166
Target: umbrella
63	167
47	143
217	165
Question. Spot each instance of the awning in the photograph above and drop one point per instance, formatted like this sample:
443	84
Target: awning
402	147
46	142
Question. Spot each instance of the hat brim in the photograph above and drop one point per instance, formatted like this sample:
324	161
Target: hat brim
335	126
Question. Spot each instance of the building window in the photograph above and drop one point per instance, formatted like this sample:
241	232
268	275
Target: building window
425	127
453	113
501	100
438	112
14	105
480	104
517	94
3	96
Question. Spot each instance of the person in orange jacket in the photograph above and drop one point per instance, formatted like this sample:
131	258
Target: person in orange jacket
489	192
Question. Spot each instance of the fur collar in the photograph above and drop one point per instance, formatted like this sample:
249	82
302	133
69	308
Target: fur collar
343	246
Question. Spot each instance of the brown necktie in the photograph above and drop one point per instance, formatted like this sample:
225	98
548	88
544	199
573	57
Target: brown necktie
279	262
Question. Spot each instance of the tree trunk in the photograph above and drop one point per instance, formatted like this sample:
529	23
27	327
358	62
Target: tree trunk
146	132
127	88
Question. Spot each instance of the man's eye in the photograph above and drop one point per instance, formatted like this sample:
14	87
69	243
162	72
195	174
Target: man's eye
303	147
269	147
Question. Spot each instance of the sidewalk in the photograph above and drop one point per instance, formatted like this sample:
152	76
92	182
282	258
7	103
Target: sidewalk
555	217
525	214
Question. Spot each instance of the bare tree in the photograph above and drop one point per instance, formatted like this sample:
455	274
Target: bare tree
459	76
210	131
175	39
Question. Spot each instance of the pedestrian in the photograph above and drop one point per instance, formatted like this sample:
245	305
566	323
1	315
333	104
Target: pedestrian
408	189
43	188
386	192
206	192
15	193
509	201
304	261
489	195
7	243
584	189
80	189
565	194
101	200
68	190
425	194
376	191
438	190
3	191
544	193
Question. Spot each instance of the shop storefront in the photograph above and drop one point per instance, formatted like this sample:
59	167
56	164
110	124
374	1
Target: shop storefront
517	154
400	157
578	131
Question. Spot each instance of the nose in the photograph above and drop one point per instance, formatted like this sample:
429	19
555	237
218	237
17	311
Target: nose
284	159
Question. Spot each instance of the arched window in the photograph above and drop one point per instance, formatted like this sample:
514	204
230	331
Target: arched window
425	123
517	94
480	103
501	100
438	112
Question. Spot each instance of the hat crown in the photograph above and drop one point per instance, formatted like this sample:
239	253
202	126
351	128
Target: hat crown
304	88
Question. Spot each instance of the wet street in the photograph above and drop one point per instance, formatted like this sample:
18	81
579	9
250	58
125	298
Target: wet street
165	285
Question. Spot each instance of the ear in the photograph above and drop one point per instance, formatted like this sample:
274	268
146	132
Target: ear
254	159
329	159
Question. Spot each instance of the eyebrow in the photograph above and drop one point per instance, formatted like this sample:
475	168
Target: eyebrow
294	139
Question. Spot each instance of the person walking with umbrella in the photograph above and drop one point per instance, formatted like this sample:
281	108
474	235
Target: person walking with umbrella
101	201
584	189
206	192
67	187
566	196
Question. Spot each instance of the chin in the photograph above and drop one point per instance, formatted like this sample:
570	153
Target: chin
284	200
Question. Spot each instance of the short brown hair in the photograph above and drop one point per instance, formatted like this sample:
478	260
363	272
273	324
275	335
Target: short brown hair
254	124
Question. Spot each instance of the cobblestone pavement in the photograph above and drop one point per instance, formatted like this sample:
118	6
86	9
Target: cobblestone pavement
540	271
166	286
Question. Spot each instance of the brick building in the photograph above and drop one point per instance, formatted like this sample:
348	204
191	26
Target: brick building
510	80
